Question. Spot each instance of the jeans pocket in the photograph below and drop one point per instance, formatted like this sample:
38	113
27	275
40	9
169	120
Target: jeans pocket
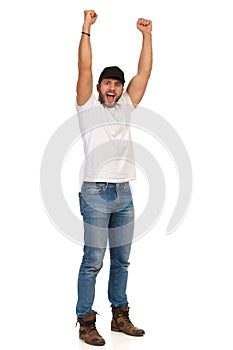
126	187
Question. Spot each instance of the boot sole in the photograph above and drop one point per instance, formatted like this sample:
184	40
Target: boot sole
121	331
83	338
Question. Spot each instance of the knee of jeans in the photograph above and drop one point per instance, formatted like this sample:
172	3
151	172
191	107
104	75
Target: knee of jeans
118	259
91	267
123	265
93	259
96	268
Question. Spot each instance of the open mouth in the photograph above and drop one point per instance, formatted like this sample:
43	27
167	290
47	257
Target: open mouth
110	97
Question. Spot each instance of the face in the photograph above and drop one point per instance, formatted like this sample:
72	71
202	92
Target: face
110	91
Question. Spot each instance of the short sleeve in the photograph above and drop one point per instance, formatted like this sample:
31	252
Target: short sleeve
126	99
92	102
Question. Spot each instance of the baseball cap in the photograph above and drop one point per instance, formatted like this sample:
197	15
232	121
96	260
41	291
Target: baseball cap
113	72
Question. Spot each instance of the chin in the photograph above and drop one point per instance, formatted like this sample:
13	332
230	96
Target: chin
110	105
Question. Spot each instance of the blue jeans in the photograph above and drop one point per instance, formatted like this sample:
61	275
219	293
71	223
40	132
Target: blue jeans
108	217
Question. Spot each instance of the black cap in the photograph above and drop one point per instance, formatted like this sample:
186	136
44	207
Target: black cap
113	72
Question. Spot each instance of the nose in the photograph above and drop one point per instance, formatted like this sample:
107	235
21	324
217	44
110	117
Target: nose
112	87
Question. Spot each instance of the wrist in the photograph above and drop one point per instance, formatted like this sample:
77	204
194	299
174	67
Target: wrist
86	28
84	33
147	37
149	34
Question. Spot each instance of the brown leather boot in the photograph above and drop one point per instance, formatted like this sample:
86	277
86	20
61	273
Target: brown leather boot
122	323
88	331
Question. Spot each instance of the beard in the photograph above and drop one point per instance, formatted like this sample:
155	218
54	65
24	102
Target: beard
102	100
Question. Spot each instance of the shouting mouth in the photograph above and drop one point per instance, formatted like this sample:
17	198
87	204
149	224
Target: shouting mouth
110	97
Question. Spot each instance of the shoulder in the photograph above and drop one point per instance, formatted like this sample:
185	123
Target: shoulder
125	98
92	102
126	102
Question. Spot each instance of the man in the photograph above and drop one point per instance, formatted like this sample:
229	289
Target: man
105	198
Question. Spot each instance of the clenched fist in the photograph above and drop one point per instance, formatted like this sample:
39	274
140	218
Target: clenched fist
90	17
144	25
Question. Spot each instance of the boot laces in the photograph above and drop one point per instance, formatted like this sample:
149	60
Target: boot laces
125	316
91	327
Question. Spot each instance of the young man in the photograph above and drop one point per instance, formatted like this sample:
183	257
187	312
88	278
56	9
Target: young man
105	198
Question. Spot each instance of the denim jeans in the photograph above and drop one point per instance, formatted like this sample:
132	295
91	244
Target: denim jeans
108	218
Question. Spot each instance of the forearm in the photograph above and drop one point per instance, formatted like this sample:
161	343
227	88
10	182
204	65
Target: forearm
85	51
146	55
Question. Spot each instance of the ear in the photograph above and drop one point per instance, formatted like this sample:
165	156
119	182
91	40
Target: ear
98	87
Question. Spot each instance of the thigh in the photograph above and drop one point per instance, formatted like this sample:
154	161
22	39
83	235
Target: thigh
121	225
95	215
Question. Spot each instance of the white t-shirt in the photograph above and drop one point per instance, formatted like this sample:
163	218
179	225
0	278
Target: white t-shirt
107	140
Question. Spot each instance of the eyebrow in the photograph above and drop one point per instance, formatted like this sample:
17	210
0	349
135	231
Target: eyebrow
111	79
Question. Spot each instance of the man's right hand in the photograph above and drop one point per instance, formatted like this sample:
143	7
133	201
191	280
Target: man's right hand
90	17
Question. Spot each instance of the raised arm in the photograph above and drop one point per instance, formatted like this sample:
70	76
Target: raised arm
85	79
137	85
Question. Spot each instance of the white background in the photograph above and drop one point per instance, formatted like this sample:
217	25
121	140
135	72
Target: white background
180	286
